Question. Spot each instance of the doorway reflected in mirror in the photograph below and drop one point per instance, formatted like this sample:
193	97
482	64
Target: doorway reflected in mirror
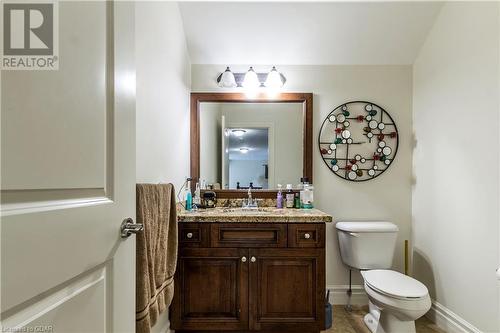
247	157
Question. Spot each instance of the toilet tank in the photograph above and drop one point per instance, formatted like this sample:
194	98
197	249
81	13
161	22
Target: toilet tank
367	245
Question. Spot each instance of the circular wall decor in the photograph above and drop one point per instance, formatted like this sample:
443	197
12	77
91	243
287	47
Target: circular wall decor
358	141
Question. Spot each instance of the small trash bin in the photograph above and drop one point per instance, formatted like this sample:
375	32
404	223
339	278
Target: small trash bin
328	312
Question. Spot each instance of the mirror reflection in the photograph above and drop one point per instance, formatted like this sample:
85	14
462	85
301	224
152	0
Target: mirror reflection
257	145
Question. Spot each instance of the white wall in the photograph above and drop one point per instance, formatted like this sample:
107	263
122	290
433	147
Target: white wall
455	198
163	86
386	197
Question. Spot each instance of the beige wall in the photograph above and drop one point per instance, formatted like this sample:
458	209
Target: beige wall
163	86
455	198
386	197
162	113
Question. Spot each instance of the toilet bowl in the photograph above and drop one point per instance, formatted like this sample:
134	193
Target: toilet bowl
395	300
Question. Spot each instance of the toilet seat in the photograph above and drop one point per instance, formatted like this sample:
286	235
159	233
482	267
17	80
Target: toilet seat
394	284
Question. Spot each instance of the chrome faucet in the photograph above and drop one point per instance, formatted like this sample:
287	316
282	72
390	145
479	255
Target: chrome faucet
250	203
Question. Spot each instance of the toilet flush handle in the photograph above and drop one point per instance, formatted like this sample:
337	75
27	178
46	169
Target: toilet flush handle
353	234
498	273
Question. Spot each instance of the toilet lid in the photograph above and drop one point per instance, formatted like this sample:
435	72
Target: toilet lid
394	284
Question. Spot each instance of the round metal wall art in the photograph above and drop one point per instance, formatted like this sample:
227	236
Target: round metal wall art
358	141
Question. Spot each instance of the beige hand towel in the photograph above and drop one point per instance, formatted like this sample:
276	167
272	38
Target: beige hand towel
156	253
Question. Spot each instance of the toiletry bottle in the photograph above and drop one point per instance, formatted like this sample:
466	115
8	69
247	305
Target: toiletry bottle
188	197
279	198
307	202
197	195
290	196
297	201
304	181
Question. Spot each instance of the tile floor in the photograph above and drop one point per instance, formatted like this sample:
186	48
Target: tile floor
345	322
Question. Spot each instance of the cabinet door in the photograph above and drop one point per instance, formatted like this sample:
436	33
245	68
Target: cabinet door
211	290
287	289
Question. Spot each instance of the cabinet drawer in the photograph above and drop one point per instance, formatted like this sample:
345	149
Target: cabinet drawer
306	235
248	235
194	234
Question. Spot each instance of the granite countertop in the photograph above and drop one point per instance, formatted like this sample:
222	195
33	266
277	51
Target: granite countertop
261	214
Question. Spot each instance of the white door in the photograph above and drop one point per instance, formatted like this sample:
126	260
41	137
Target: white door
68	179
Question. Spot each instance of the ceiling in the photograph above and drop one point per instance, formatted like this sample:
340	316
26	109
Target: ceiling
295	33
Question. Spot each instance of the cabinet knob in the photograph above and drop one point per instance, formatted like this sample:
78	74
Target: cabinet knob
253	259
189	235
243	259
307	235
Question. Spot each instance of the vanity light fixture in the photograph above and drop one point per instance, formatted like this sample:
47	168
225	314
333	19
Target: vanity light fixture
251	80
226	79
238	132
244	150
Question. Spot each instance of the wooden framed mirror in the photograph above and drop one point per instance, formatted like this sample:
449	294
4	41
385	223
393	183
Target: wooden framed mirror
239	142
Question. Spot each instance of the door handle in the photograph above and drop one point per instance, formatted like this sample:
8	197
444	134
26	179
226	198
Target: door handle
128	227
243	259
253	259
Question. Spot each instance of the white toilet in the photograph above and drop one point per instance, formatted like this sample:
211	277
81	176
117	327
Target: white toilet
395	300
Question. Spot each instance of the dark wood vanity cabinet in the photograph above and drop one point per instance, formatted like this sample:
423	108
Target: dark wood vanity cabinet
211	290
267	277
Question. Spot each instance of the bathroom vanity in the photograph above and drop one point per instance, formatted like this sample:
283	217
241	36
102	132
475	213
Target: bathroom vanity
250	270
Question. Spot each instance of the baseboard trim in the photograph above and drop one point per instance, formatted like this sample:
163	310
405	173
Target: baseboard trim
448	320
338	295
